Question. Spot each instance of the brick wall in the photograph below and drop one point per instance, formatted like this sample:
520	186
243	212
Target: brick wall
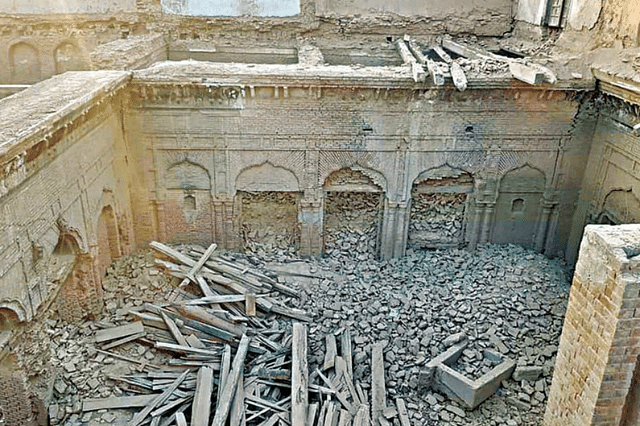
314	131
600	341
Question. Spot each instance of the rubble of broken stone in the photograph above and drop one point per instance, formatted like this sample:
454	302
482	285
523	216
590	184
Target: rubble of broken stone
503	298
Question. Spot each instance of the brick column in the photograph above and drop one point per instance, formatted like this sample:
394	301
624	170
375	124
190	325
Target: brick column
600	340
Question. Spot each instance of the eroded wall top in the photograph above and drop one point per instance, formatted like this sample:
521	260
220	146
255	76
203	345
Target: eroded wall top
272	8
66	6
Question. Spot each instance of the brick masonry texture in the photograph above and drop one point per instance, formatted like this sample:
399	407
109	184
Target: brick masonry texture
599	346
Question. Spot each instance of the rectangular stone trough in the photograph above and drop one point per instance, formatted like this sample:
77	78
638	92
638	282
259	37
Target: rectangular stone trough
439	376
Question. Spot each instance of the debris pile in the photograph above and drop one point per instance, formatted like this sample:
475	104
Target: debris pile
436	220
373	330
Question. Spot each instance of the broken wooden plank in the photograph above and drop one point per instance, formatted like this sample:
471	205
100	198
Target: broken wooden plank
201	315
124	340
180	419
237	416
117	402
229	298
462	50
202	399
347	379
378	395
170	406
345	418
225	366
311	414
199	264
346	350
332	414
128	359
250	305
222	413
139	417
126	330
331	352
174	254
173	329
341	396
299	375
194	342
172	419
402	412
297	314
185	349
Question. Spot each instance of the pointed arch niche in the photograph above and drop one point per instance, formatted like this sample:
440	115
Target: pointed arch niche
353	211
267	209
188	209
439	208
519	208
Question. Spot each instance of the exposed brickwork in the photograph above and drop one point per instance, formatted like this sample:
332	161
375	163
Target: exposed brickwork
81	294
600	342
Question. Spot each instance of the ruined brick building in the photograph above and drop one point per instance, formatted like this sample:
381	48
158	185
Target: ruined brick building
278	123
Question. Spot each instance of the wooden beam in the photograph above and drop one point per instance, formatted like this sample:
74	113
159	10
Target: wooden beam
180	419
346	350
173	329
197	266
402	412
299	375
237	416
119	332
202	398
378	396
225	366
222	413
331	352
117	402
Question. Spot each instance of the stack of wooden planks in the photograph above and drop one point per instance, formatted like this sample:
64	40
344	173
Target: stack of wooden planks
228	362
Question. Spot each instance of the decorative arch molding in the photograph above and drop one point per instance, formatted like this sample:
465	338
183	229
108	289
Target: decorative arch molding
267	177
16	307
365	162
72	234
376	178
187	175
239	161
445	170
622	206
523	179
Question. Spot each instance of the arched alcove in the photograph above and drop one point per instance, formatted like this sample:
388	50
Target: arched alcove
24	61
11	313
188	214
353	212
267	177
67	57
439	206
266	208
518	207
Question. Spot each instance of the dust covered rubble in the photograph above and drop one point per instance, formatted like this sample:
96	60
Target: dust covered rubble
503	298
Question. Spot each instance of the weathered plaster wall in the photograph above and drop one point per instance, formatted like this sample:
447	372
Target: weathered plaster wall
531	11
611	188
602	23
61	153
314	131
